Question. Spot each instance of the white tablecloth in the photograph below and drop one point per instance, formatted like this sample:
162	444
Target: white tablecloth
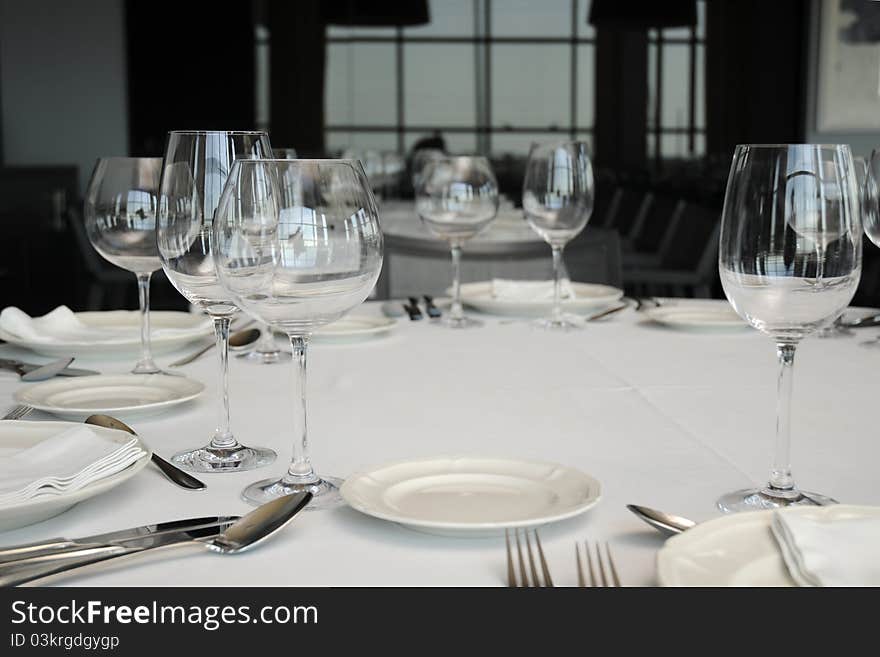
665	418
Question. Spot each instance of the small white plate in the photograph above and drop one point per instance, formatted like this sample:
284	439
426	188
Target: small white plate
354	327
471	496
124	395
24	434
737	550
187	328
696	315
587	297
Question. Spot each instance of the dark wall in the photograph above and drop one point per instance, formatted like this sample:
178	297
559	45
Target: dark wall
756	58
190	67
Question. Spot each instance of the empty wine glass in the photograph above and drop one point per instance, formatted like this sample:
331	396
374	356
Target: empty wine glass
790	259
864	181
871	198
267	351
194	171
557	201
120	220
458	197
297	245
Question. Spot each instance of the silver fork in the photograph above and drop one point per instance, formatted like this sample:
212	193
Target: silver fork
524	581
18	412
607	571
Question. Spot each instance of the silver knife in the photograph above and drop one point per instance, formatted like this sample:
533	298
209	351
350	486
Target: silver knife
60	546
48	371
23	368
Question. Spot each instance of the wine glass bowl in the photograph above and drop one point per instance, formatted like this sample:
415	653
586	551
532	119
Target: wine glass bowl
195	169
120	221
297	245
557	200
456	200
789	262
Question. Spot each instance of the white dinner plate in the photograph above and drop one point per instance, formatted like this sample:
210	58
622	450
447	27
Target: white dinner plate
187	328
354	327
737	550
24	434
471	496
696	315
587	297
123	395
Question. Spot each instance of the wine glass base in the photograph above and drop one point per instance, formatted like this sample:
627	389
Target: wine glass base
762	499
157	371
325	492
461	322
563	323
235	459
268	357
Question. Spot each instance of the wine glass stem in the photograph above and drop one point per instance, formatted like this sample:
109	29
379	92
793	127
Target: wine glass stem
780	473
223	438
300	470
145	364
266	344
456	312
557	296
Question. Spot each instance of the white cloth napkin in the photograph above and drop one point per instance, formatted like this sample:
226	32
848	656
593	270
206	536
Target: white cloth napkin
68	461
503	288
829	552
62	325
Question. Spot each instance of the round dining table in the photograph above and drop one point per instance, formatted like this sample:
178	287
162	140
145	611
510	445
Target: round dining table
662	417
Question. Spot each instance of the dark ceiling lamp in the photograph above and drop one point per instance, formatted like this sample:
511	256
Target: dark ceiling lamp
376	13
643	14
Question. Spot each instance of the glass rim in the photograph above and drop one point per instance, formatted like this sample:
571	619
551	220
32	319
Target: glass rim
305	160
218	132
792	145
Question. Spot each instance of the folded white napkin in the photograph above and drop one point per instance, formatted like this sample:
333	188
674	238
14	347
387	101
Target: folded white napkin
829	552
66	462
529	290
62	325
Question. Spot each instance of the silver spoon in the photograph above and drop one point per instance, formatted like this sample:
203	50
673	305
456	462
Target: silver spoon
238	341
47	371
665	522
175	474
246	532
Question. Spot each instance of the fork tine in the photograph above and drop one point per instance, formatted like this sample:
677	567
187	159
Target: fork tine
536	582
601	567
614	578
18	412
522	564
582	582
548	581
593	580
511	573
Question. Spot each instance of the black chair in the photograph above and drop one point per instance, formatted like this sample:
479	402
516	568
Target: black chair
688	266
40	270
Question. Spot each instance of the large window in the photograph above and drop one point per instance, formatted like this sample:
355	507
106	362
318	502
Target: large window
492	76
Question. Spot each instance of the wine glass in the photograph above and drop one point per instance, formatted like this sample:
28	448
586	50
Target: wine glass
790	259
871	198
557	201
297	244
457	198
838	328
267	351
194	171
120	220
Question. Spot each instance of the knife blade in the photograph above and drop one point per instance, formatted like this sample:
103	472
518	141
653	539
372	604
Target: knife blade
62	546
21	367
48	371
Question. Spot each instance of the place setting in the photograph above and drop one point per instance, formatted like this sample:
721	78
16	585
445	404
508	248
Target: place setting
294	247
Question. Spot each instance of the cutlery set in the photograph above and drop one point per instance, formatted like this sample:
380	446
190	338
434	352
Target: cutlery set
224	535
523	574
34	372
415	313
